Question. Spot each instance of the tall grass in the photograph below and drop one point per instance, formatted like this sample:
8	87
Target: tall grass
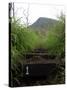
54	40
22	40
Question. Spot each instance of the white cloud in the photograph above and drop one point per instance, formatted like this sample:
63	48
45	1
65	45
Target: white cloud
38	10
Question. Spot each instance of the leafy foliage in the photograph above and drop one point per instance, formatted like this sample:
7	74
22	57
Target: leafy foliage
55	38
22	40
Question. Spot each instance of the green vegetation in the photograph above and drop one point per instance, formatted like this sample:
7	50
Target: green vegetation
24	40
55	38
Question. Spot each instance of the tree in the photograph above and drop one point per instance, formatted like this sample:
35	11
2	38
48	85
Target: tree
26	15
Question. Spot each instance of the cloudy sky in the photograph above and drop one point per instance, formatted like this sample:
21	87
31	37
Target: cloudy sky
37	10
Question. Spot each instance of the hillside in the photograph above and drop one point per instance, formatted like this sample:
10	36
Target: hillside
43	23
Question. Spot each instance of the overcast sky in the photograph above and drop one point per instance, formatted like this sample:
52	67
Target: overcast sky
36	10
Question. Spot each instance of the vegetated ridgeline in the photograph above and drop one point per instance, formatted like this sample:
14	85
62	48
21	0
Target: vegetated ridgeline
43	23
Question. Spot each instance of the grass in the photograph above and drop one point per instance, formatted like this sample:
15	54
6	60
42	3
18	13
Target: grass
24	40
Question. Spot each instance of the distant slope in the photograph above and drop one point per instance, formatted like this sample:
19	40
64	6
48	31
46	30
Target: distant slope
43	23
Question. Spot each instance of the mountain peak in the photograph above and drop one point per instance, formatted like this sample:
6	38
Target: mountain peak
43	23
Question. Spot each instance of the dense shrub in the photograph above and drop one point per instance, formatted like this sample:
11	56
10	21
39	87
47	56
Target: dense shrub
55	38
22	40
